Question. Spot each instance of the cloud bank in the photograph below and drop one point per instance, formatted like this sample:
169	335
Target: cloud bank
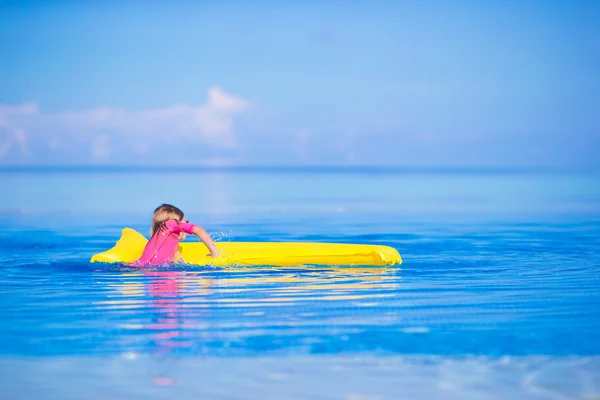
27	134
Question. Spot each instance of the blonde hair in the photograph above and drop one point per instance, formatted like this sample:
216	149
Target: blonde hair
162	214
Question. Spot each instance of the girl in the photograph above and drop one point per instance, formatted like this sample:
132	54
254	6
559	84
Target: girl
168	228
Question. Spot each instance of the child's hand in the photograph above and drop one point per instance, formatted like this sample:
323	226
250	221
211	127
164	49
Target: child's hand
207	240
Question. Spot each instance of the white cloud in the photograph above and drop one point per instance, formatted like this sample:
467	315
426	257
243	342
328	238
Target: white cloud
100	150
12	132
301	145
22	109
211	123
5	147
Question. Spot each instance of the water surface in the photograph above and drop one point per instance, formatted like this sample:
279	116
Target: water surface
497	296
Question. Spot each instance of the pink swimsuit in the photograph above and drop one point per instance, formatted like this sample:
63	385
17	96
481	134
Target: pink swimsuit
162	246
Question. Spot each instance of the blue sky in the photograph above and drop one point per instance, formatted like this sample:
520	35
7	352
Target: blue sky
408	83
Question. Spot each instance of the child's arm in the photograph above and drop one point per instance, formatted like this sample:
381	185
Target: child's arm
207	240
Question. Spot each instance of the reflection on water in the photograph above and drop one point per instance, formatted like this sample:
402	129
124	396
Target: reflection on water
188	308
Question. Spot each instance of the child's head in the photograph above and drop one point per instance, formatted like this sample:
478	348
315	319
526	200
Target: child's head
162	214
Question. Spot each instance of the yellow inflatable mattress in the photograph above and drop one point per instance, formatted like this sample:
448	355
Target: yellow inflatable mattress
130	246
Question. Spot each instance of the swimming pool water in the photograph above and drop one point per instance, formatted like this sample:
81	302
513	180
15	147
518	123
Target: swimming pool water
497	297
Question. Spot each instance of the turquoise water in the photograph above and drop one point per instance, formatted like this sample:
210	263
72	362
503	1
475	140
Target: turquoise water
497	297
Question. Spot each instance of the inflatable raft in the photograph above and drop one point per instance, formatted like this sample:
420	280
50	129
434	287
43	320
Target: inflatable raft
130	246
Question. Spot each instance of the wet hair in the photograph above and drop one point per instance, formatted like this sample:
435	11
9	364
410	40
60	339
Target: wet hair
162	214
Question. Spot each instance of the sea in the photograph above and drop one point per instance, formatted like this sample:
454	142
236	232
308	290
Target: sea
498	295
